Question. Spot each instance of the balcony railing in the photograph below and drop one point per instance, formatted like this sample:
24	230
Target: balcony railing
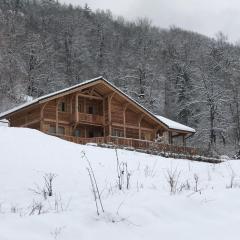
133	143
88	118
144	144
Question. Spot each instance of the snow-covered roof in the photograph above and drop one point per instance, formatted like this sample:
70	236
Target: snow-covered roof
4	122
36	100
165	121
175	125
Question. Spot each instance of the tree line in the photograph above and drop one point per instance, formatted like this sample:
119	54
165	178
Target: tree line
188	77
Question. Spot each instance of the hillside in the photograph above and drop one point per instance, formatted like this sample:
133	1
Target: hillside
185	76
146	210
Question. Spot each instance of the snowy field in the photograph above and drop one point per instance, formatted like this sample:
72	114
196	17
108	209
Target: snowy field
204	202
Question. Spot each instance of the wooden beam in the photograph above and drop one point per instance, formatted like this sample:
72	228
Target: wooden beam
92	91
57	120
42	115
84	105
74	90
170	137
124	119
184	140
30	123
104	117
139	125
132	126
54	121
89	96
71	105
110	113
76	107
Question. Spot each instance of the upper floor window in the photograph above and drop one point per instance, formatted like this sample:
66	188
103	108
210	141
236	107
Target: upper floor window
51	129
92	109
62	107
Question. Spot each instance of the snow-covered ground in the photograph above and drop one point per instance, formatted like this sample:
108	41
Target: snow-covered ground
146	210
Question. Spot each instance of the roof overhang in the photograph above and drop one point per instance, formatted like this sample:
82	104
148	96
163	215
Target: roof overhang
87	84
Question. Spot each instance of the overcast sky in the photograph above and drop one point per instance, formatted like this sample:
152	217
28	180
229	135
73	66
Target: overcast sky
204	16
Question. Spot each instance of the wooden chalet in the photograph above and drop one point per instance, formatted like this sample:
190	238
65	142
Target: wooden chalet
96	111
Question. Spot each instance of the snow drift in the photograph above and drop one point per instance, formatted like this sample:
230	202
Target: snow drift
204	204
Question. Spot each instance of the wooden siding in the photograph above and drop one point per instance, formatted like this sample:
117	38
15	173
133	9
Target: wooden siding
131	118
25	118
90	113
49	111
117	111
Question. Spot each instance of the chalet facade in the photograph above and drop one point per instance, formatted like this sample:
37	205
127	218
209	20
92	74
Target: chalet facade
96	111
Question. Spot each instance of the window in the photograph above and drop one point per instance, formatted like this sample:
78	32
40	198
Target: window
80	107
117	132
77	133
146	136
90	110
90	133
51	129
62	107
61	130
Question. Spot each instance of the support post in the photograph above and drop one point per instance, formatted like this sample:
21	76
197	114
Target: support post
42	116
76	108
184	140
170	137
124	119
104	118
84	105
139	126
57	103
110	113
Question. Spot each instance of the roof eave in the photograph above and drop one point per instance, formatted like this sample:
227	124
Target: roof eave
43	99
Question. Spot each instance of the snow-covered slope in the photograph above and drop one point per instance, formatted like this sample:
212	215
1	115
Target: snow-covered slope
146	211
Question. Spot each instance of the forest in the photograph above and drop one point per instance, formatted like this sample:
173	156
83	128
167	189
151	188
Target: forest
46	46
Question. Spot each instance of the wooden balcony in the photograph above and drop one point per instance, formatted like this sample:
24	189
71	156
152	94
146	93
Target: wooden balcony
133	143
144	144
88	118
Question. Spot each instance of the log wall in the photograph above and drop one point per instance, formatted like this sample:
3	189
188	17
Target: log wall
113	115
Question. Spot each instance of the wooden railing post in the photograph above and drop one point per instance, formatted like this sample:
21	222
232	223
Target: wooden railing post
124	118
76	108
139	125
57	103
110	112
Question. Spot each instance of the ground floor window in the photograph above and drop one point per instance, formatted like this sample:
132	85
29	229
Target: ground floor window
117	132
52	129
61	130
77	133
146	136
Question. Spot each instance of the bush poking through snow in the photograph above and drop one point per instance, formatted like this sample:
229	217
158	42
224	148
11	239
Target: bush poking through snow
122	173
232	181
47	190
184	186
37	207
95	189
48	179
196	181
57	232
150	172
172	179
